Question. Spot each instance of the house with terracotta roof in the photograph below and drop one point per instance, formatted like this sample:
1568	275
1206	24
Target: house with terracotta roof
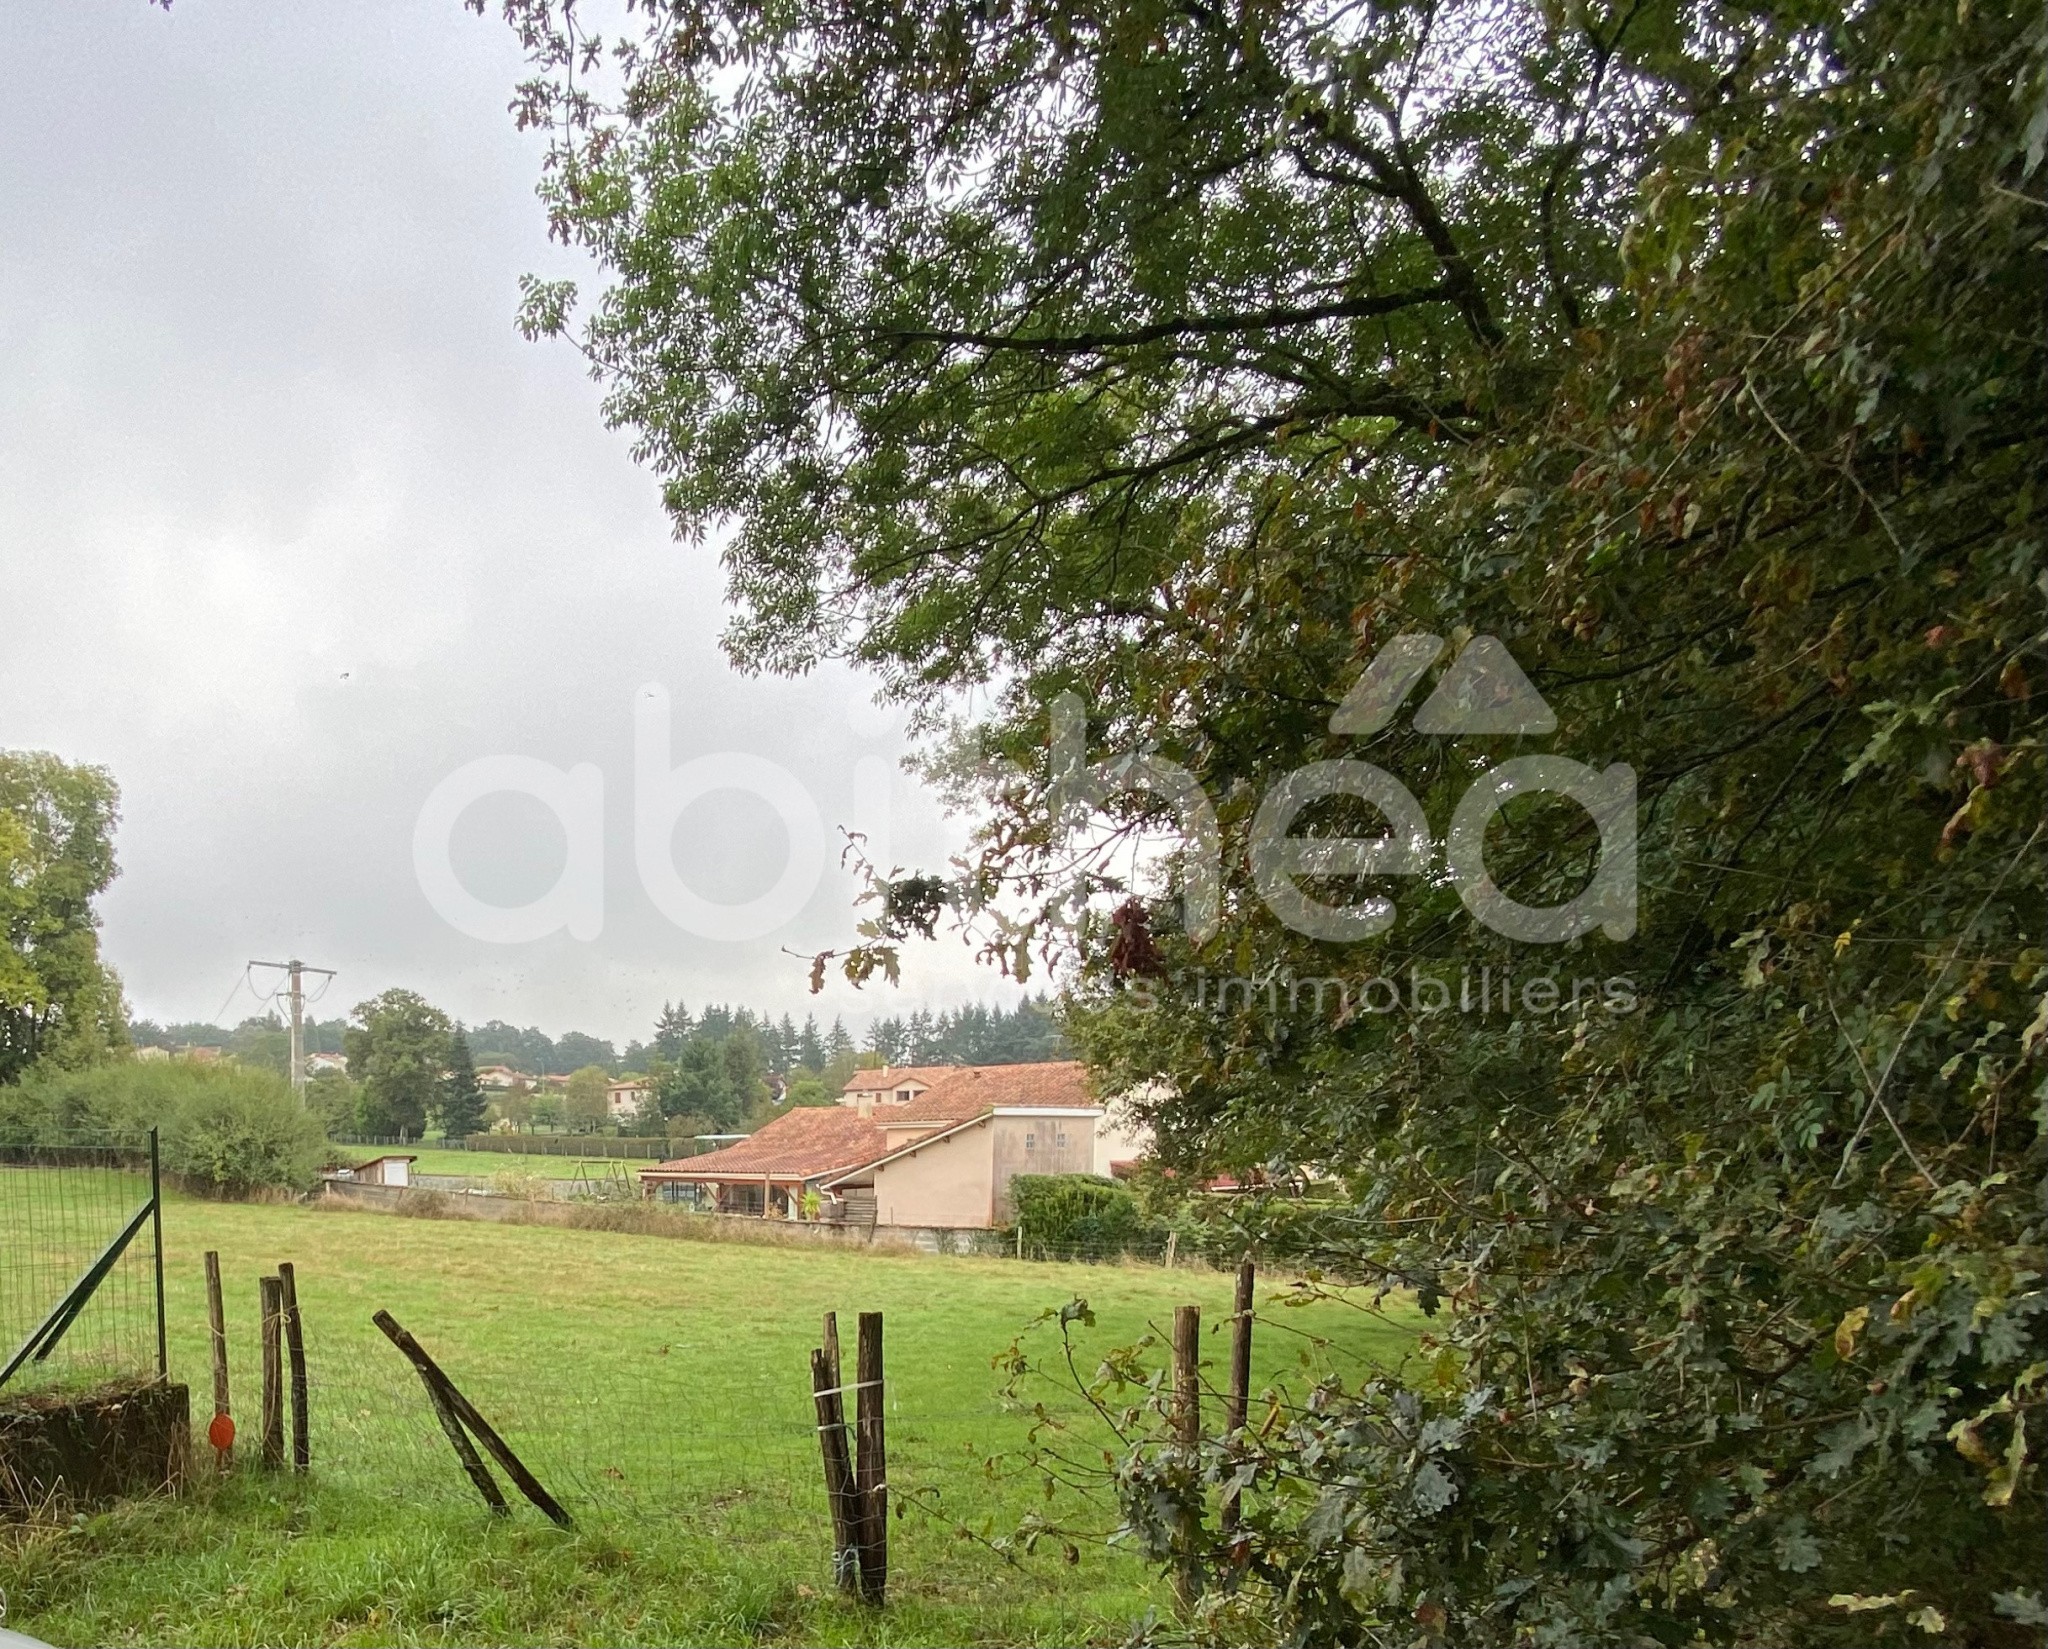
892	1084
943	1159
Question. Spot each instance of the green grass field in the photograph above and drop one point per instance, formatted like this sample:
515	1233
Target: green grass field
488	1164
659	1387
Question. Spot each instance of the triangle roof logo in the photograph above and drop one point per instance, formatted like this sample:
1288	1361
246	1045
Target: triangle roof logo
1483	692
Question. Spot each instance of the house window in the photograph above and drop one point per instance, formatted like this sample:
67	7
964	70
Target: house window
1059	1139
1030	1142
903	1094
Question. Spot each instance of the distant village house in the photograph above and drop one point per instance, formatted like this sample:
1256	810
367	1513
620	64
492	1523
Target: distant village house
625	1098
933	1146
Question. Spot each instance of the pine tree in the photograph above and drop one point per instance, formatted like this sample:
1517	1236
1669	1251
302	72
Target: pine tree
810	1046
672	1030
460	1105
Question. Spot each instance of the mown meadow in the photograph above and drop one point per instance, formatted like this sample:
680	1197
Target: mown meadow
661	1389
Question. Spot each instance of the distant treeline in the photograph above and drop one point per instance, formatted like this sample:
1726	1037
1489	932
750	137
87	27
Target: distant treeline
262	1040
974	1035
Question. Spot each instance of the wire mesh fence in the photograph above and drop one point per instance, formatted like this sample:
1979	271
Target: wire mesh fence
635	1380
80	1296
651	1440
612	1147
673	1416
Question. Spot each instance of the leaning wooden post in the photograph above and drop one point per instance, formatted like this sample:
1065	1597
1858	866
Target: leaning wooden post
839	1493
217	1321
451	1428
1187	1433
829	1344
1238	1403
466	1411
272	1296
295	1352
871	1474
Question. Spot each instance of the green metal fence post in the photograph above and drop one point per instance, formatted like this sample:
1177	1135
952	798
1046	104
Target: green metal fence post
156	1231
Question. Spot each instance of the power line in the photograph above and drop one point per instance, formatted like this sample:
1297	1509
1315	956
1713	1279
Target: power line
220	1011
295	974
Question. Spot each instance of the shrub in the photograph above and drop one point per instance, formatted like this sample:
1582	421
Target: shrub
1078	1211
809	1090
334	1098
224	1130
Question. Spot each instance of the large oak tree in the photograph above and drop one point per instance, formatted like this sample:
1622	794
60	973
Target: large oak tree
1180	356
58	999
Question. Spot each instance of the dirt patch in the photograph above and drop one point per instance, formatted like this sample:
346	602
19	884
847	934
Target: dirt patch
126	1438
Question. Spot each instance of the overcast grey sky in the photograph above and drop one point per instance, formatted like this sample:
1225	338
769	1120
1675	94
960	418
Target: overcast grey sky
293	525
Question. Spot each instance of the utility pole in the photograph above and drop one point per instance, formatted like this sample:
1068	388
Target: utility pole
297	971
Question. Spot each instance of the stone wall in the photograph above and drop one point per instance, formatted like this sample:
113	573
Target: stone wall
646	1219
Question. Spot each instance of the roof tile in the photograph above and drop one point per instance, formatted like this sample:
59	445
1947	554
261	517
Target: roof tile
813	1140
806	1141
888	1076
973	1089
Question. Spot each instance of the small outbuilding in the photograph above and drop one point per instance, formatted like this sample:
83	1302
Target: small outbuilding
385	1170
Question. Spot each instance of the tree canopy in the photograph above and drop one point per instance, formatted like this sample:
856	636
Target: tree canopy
1183	357
397	1048
58	999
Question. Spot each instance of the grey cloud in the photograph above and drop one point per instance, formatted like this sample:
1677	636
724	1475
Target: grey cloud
292	523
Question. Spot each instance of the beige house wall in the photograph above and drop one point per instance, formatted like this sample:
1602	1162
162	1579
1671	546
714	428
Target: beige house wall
865	1100
899	1134
961	1179
1039	1145
945	1183
1119	1137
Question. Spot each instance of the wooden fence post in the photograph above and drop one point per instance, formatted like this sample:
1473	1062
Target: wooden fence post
217	1321
1187	1362
466	1412
871	1473
1238	1402
465	1450
839	1492
295	1352
271	1293
1187	1432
